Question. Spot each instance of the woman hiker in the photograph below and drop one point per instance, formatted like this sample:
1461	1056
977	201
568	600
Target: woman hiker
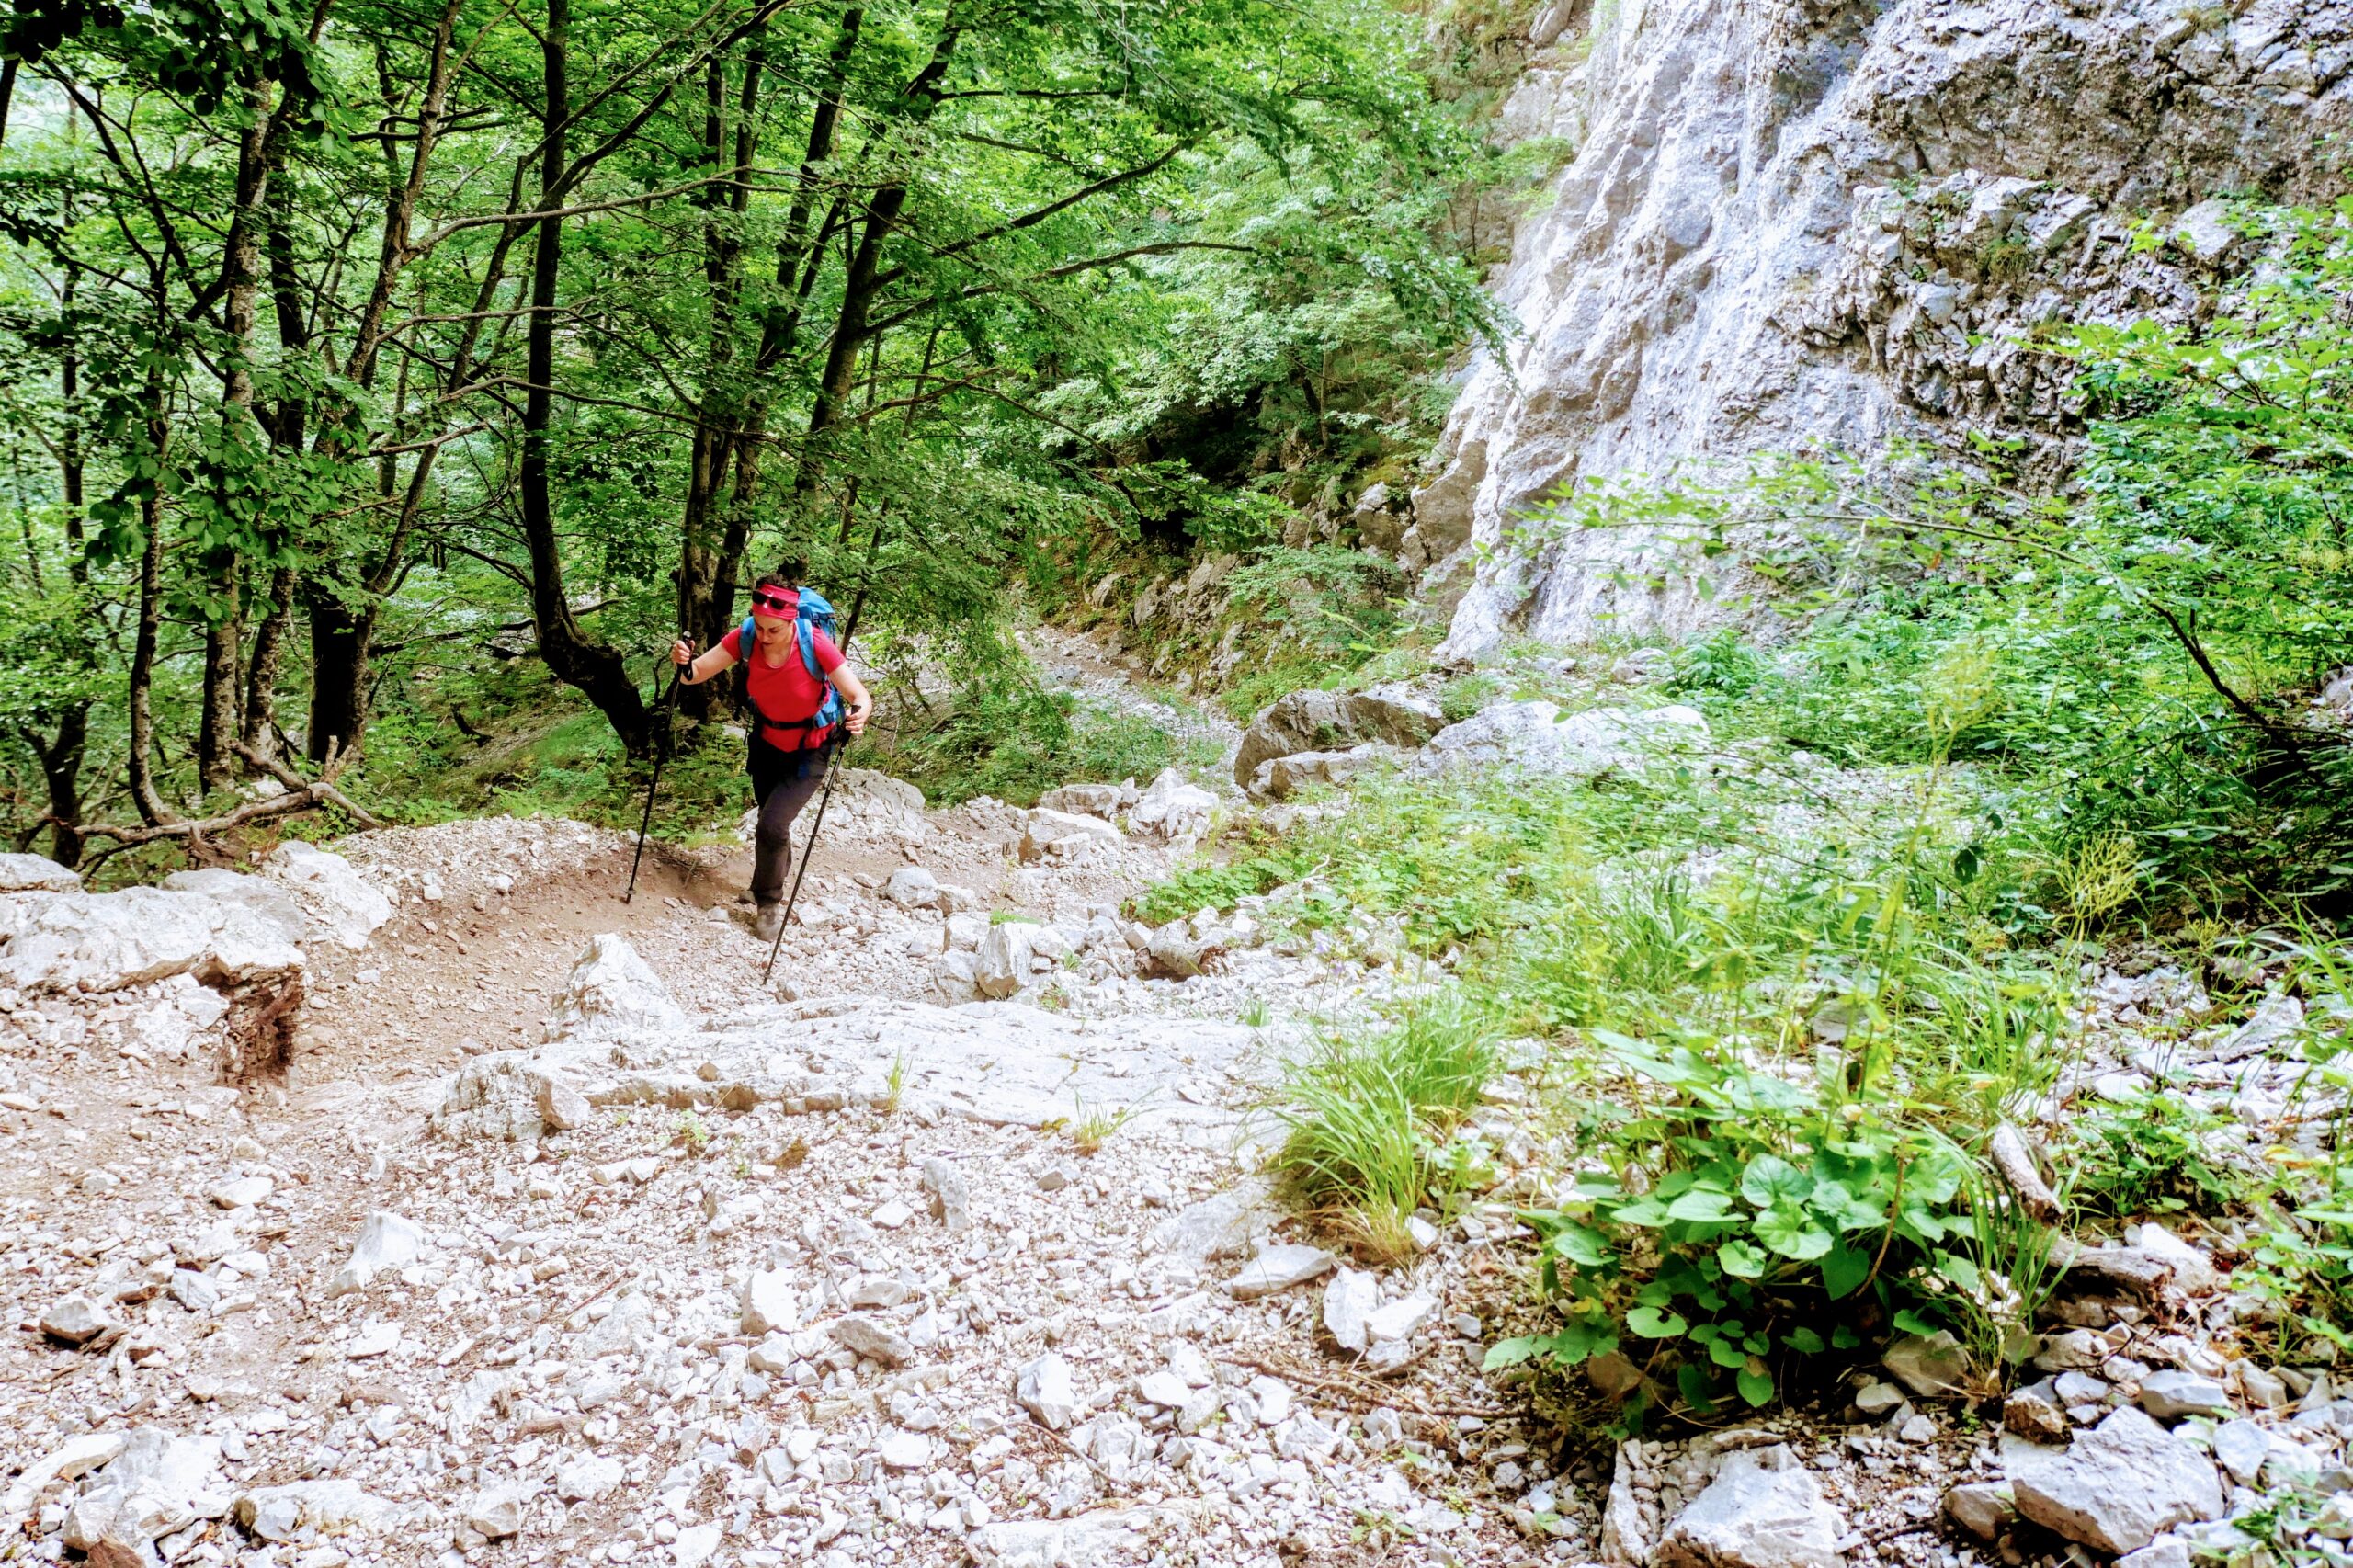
787	750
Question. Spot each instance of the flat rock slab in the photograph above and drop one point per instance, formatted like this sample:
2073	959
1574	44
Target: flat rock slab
2114	1487
1000	1063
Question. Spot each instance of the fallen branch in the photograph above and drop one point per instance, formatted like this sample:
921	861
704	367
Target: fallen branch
2014	1162
301	795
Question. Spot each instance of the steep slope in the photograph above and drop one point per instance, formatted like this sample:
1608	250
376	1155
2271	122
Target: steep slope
1819	223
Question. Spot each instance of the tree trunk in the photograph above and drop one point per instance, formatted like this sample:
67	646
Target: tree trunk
259	728
224	633
224	642
61	770
143	797
572	657
338	675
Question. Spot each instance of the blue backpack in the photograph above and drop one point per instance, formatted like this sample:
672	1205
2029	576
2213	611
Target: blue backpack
815	615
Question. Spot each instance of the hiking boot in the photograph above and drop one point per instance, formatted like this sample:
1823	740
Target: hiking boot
768	922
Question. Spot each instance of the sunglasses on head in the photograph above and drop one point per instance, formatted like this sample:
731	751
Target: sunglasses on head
762	600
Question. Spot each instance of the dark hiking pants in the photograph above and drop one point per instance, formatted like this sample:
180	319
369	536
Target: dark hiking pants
782	782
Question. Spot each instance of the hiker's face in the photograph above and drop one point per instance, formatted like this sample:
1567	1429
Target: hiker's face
768	629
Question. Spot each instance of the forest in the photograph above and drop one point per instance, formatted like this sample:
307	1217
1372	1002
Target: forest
358	357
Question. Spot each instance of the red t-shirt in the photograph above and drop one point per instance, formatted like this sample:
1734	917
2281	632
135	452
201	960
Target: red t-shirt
787	690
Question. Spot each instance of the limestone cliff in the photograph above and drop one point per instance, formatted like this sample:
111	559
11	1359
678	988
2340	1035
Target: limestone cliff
1823	222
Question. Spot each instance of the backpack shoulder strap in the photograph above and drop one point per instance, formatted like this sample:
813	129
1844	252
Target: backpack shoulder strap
808	648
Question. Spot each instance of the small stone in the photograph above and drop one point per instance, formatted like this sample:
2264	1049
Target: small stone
2240	1448
1056	1177
373	1339
1044	1391
2264	1389
1164	1389
1876	1398
2166	1552
1396	1321
769	1304
2078	1388
494	1515
76	1320
951	1202
1918	1429
903	1450
585	1481
2170	1395
1984	1509
1278	1268
865	1337
1348	1303
243	1192
1928	1364
892	1215
386	1242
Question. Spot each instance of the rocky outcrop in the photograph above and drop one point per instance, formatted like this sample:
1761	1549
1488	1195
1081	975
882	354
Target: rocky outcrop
1823	224
1331	721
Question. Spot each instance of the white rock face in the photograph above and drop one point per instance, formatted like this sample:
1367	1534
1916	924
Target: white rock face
1535	735
36	873
265	896
612	993
109	941
1740	255
1063	836
341	906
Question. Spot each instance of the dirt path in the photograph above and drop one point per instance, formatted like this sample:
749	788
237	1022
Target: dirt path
858	1280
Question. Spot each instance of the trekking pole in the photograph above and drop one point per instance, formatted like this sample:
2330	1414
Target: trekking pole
807	851
661	750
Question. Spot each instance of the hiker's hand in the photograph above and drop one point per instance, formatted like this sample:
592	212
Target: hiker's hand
855	720
682	651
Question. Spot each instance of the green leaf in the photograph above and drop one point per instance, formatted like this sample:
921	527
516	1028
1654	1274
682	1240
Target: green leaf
1844	1337
1741	1260
1652	1324
1581	1244
1723	1353
1692	1384
1910	1322
1703	1204
1792	1233
1771	1180
1804	1341
1755	1386
1510	1352
1844	1269
1960	1271
1647	1212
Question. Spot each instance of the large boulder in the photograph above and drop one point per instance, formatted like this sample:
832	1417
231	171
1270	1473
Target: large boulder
36	873
1537	736
1064	836
507	1097
109	941
265	896
1763	1510
1336	721
611	993
2114	1487
1283	776
1006	958
1173	810
342	907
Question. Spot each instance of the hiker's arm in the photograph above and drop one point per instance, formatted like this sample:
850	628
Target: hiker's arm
852	691
697	671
